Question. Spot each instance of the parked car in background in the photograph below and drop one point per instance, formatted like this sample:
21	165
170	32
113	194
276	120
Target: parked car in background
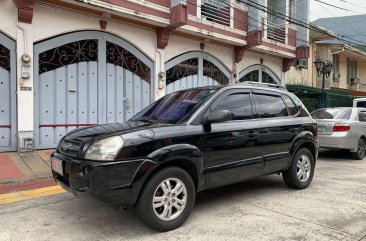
342	128
186	142
359	102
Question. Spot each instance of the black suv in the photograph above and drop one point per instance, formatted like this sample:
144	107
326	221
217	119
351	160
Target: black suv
186	142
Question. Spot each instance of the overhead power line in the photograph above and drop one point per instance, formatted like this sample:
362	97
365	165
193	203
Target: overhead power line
334	6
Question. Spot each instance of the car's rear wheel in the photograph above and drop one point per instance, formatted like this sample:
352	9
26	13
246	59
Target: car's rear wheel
360	153
301	172
167	199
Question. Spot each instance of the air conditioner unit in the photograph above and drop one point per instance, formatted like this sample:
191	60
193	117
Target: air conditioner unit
302	63
336	77
353	80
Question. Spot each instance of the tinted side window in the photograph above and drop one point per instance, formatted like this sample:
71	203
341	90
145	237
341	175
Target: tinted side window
292	109
270	106
300	106
362	116
239	105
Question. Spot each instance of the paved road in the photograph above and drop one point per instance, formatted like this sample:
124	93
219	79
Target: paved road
333	208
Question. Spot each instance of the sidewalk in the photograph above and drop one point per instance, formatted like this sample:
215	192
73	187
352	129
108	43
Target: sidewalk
25	171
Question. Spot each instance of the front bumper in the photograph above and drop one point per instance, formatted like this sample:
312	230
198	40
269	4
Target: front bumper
117	182
339	140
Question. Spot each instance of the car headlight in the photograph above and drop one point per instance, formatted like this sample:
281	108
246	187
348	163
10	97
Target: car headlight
104	150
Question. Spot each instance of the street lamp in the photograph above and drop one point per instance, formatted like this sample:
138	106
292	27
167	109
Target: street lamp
323	68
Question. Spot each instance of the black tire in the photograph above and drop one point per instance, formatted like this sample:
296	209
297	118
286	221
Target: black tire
290	176
144	206
360	153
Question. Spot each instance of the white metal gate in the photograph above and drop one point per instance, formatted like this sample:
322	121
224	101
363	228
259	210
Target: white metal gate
87	78
7	94
194	69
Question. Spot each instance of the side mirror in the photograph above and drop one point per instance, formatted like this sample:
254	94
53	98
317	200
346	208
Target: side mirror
217	116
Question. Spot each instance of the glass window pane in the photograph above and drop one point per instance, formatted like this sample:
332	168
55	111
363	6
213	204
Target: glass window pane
343	114
362	116
239	105
270	106
290	105
175	108
329	113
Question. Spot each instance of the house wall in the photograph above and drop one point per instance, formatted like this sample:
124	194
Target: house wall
50	21
8	22
302	76
362	75
361	72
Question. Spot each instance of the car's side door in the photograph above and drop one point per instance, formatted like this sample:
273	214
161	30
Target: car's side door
279	128
231	148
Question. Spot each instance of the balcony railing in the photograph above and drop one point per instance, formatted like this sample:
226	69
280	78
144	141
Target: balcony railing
217	11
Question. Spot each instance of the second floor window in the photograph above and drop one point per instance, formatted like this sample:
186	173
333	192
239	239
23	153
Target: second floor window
336	74
217	11
292	10
351	70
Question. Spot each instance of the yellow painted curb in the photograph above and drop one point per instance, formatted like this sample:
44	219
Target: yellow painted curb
27	195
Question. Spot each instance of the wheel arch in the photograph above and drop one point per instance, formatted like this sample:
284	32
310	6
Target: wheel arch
185	164
308	144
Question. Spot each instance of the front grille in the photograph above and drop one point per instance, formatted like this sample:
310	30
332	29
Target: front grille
70	148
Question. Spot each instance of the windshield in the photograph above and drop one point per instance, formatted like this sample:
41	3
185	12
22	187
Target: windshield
175	108
332	113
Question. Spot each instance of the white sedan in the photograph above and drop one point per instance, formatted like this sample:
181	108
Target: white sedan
342	128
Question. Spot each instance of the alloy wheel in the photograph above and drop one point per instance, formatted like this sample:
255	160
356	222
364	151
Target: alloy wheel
303	168
361	148
170	199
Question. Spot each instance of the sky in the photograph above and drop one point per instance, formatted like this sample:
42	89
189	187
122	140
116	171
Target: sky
320	10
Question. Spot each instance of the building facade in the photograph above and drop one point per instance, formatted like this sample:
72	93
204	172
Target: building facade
349	64
73	63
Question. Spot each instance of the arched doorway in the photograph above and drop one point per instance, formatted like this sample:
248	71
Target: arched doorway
194	69
259	73
87	78
8	141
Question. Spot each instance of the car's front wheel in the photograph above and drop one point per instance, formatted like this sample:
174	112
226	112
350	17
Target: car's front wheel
360	153
167	199
301	172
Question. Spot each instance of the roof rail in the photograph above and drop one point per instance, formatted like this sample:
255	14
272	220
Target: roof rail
261	84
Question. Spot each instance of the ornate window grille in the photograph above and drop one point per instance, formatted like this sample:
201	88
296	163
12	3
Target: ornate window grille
252	76
4	57
212	71
119	56
266	78
186	68
75	52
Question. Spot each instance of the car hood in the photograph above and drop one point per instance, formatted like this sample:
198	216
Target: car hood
102	131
